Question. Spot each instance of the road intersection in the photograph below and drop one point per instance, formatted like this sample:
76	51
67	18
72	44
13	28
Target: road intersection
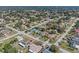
44	43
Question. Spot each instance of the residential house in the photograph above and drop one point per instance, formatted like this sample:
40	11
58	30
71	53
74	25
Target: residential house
34	48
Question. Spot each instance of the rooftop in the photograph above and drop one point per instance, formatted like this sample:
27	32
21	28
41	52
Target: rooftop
34	48
77	30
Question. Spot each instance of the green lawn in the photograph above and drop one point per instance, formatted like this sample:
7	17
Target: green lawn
44	38
6	46
9	49
65	46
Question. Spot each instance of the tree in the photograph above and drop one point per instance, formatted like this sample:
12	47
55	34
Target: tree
9	49
54	48
77	24
6	48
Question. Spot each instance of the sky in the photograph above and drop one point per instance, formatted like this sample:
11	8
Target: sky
39	3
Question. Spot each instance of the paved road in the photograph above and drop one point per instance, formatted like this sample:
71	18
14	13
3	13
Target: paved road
44	43
63	35
59	40
8	37
45	22
11	35
12	28
63	50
